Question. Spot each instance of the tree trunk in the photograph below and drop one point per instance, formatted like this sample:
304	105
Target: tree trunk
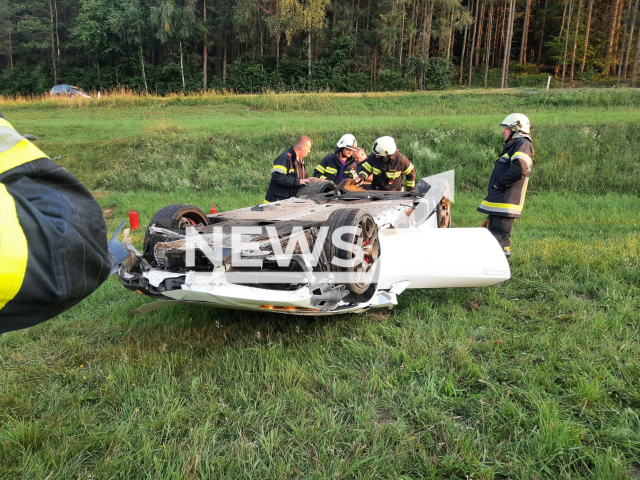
464	46
10	52
615	51
564	17
144	75
401	36
224	60
479	42
612	31
586	36
486	63
55	7
503	36
544	19
53	47
182	69
633	25
575	40
428	21
309	38
473	41
566	43
525	33
450	40
507	47
635	64
413	19
204	51
278	52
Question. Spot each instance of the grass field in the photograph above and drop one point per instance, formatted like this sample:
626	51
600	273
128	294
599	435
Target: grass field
538	378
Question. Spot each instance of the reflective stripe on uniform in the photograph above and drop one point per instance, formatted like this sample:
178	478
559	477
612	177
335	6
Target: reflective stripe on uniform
506	207
332	170
524	157
376	171
265	201
323	177
15	150
279	168
13	249
367	167
393	174
321	169
291	170
410	184
408	170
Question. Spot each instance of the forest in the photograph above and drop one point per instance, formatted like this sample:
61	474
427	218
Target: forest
251	46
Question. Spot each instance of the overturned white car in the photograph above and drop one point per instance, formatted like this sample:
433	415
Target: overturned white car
347	249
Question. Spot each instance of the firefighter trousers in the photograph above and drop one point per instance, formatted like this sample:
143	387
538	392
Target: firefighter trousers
500	227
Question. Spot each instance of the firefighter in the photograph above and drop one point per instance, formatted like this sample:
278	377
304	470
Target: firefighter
360	156
388	166
289	171
334	167
53	239
508	183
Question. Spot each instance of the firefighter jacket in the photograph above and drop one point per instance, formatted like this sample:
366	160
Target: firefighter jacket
388	175
53	239
285	176
509	180
331	168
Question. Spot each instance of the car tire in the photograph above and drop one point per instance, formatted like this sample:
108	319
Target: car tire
315	188
367	239
173	216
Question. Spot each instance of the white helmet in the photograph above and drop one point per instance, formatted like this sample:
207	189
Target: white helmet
517	122
347	141
384	146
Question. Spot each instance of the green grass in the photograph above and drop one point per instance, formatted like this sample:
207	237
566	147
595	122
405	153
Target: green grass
535	378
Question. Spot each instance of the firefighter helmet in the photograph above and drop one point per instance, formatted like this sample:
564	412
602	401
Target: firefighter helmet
347	141
518	123
384	146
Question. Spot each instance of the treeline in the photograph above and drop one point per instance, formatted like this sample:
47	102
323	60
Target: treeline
338	45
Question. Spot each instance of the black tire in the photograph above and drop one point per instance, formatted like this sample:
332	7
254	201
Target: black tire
443	212
367	239
173	216
315	188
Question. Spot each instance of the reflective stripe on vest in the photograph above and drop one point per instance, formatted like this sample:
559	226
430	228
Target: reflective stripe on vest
492	207
13	249
14	149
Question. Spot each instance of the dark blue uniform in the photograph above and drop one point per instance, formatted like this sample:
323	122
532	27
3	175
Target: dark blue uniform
285	176
331	168
53	239
508	188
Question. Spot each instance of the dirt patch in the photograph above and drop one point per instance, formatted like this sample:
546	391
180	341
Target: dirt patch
99	193
107	212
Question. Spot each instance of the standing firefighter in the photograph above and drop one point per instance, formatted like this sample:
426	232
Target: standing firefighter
338	165
508	183
388	166
289	171
53	239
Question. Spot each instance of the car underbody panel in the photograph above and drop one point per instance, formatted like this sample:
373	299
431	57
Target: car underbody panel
286	256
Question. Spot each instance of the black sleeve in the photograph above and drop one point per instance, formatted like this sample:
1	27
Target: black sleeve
66	242
512	175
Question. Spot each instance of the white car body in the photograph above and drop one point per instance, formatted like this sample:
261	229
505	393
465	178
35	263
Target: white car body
413	253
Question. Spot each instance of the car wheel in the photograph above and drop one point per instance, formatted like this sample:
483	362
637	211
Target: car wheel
359	276
173	216
444	213
315	188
